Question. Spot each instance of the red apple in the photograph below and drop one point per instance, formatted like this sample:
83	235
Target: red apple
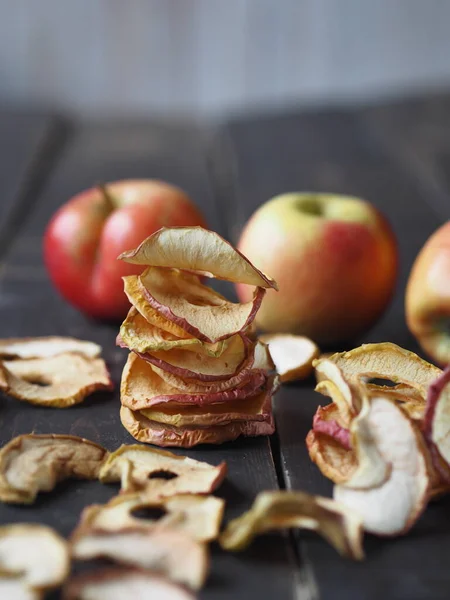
86	235
334	259
428	296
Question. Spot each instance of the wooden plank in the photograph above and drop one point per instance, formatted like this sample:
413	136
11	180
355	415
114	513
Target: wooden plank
26	149
29	306
333	152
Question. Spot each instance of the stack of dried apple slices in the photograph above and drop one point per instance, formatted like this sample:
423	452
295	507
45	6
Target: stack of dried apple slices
384	446
194	374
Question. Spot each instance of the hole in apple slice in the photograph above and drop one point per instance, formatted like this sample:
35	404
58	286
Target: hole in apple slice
149	513
161	474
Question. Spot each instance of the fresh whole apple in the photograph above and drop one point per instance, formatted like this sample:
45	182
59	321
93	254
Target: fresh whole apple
427	302
334	259
86	235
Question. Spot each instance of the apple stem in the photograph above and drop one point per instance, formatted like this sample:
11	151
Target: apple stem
106	196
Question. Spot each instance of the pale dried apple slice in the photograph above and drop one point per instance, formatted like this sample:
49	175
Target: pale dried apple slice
386	361
172	554
334	460
203	313
259	360
394	506
151	432
198	516
253	408
284	510
293	355
239	353
13	588
200	251
159	473
122	584
58	381
45	347
33	463
142	387
436	424
34	553
137	334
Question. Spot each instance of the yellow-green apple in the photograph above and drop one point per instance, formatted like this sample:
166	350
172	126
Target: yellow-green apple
86	235
334	259
427	302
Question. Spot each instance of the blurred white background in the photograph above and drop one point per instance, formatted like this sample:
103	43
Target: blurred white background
116	57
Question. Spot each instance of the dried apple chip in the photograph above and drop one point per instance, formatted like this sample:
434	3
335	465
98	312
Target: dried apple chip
121	584
394	506
45	347
170	553
328	421
194	365
197	516
436	424
284	510
142	387
58	381
334	460
197	250
158	473
137	334
386	361
201	312
36	555
152	432
293	355
32	463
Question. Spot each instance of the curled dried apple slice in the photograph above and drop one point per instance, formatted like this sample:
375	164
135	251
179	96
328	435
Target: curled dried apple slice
137	334
58	381
334	460
32	463
171	553
196	308
253	408
386	361
36	555
159	473
197	516
293	355
332	383
193	365
436	424
328	421
258	361
119	584
283	510
142	387
152	432
13	588
394	506
45	347
200	251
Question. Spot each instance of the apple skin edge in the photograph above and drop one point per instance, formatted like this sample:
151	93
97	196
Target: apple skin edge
335	260
427	300
87	234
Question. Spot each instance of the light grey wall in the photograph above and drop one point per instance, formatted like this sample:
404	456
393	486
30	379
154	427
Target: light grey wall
176	56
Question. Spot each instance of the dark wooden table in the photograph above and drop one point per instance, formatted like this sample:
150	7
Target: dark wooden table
397	156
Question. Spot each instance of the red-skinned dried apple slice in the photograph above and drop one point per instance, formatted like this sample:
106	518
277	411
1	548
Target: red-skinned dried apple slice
394	506
334	461
159	473
200	251
137	334
35	554
33	463
436	424
151	432
172	554
142	387
284	510
328	420
121	584
59	381
196	308
199	517
253	408
45	347
293	355
238	354
258	361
